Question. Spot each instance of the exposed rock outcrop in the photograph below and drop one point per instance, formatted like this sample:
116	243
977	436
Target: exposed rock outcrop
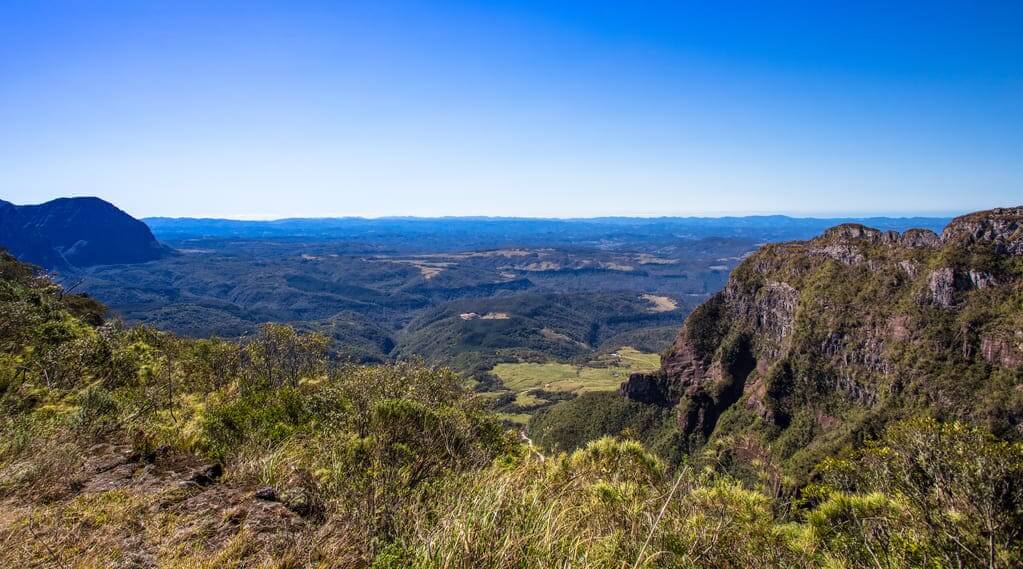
1005	352
920	239
942	286
1002	228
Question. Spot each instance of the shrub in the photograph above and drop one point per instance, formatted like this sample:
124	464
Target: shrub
957	490
264	418
97	411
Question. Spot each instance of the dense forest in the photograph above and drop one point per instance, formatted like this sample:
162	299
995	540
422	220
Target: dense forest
133	447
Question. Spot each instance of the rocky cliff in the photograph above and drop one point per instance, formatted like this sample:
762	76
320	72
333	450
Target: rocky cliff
813	344
75	232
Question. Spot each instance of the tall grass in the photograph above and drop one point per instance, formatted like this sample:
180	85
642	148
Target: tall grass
608	505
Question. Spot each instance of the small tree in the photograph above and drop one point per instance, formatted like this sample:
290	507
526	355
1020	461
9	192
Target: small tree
211	363
280	356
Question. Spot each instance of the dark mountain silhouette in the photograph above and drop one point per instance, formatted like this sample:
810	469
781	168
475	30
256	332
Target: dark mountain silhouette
76	232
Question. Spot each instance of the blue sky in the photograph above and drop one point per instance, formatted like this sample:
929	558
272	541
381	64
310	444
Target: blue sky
259	109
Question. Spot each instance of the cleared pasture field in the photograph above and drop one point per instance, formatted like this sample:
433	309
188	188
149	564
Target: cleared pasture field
604	375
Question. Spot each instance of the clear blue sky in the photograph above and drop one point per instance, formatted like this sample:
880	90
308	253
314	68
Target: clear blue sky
260	109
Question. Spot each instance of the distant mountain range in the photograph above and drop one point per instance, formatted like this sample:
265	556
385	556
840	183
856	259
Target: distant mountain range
81	232
76	232
474	232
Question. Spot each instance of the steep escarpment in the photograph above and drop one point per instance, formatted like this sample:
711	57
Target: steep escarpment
75	232
813	345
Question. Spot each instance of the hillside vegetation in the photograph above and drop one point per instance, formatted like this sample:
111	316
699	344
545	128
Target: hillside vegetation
132	447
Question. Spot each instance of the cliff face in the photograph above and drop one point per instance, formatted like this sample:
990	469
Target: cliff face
75	232
814	343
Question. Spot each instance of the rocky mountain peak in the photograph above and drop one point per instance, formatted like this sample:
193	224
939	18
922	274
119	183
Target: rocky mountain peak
852	231
856	233
1001	226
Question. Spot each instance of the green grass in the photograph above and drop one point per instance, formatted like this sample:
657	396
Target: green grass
520	419
527	399
521	377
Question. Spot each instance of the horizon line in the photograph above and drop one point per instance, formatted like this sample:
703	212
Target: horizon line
269	218
700	214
